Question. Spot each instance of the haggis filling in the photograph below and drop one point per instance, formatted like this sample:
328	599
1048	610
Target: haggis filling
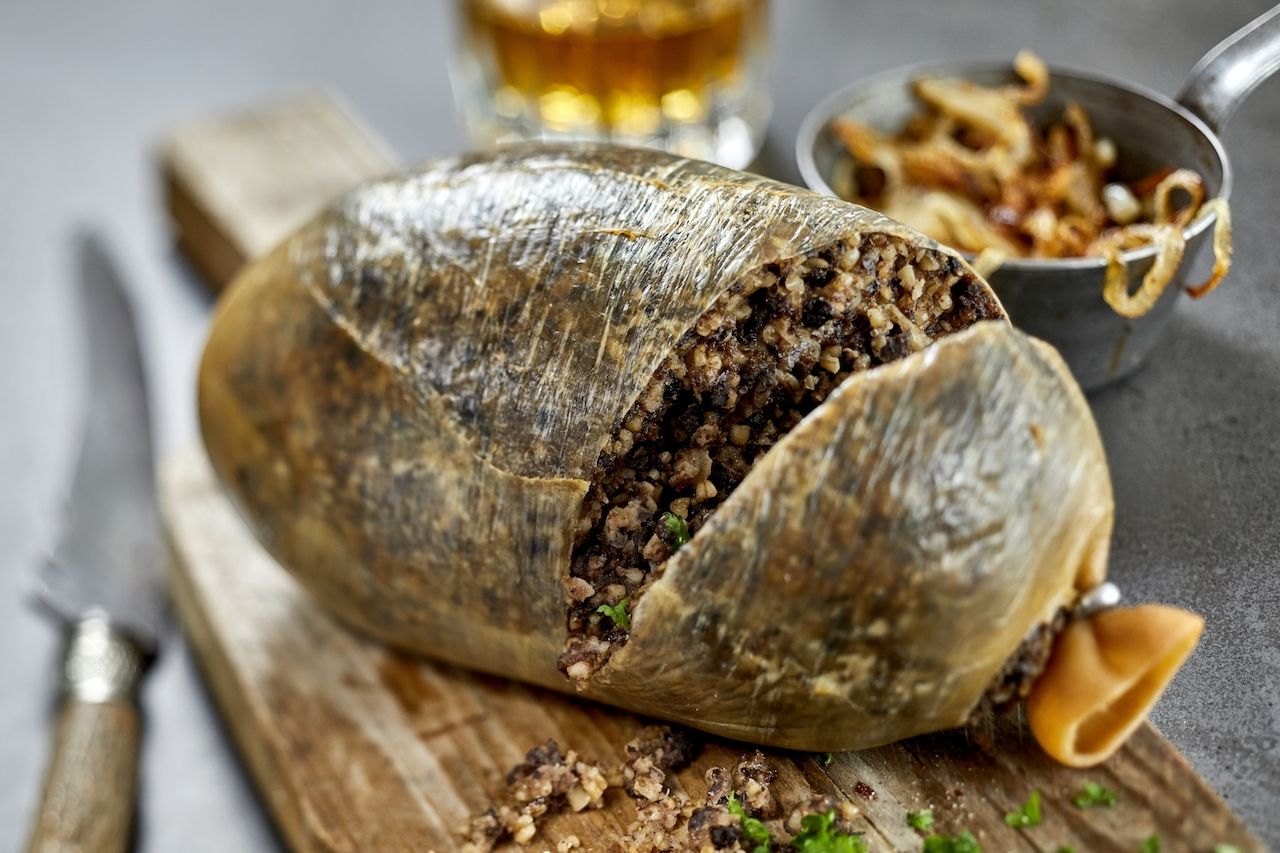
768	352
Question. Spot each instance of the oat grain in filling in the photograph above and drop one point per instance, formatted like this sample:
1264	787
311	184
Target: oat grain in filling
767	353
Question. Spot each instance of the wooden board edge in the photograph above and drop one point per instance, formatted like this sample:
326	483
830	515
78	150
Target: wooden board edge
1207	791
210	226
230	696
209	249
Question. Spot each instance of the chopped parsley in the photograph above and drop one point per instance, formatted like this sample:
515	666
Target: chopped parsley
676	527
818	834
1065	849
1094	794
962	843
1028	815
1150	845
618	613
1226	848
828	758
753	829
921	821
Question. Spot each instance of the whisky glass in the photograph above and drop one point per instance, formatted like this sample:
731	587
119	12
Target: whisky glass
686	76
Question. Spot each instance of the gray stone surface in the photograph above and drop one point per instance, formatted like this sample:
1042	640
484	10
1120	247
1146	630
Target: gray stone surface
86	88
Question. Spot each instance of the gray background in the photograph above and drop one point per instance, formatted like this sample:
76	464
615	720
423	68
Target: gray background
87	88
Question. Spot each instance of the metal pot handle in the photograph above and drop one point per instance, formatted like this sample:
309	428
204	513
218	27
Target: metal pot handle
1225	75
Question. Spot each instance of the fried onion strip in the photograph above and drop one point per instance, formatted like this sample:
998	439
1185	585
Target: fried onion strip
988	261
1221	246
870	148
1170	245
1180	179
1035	74
1078	120
987	111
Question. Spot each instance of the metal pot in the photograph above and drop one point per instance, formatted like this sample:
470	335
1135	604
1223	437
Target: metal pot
1060	300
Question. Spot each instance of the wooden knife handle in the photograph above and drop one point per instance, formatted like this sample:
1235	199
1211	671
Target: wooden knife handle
88	799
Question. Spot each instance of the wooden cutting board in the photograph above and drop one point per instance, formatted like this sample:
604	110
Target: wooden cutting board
355	747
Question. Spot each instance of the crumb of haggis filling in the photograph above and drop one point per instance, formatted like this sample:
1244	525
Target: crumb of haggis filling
667	819
661	807
546	782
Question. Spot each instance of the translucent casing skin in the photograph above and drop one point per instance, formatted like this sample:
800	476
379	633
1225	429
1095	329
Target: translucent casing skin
407	400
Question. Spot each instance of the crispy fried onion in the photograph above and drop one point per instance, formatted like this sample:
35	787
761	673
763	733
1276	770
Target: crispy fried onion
1034	73
1221	246
1170	246
972	172
988	261
1162	202
1170	242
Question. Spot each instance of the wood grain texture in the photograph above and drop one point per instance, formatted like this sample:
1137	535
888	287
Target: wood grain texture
236	185
87	805
356	747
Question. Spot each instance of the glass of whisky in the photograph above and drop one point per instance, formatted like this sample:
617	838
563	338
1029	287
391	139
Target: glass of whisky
687	76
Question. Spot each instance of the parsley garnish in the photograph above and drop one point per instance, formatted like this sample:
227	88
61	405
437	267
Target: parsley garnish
1151	845
676	527
921	821
962	843
618	613
1028	815
753	829
818	834
828	758
1095	795
1226	848
1066	850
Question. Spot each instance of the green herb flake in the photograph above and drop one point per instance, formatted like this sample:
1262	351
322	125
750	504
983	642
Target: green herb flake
1150	845
962	843
618	613
676	527
1094	794
1028	815
921	821
1065	849
828	758
819	834
753	829
1226	848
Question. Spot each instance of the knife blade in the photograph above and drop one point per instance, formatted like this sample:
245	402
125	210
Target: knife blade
103	580
107	557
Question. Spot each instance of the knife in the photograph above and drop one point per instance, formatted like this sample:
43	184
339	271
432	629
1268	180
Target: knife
103	583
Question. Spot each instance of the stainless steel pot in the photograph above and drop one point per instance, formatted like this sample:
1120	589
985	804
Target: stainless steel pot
1060	301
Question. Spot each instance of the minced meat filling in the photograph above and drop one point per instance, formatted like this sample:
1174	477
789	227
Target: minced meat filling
546	782
1013	682
760	359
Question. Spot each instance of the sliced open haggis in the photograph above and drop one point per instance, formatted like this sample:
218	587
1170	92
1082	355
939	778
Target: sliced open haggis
762	357
717	449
